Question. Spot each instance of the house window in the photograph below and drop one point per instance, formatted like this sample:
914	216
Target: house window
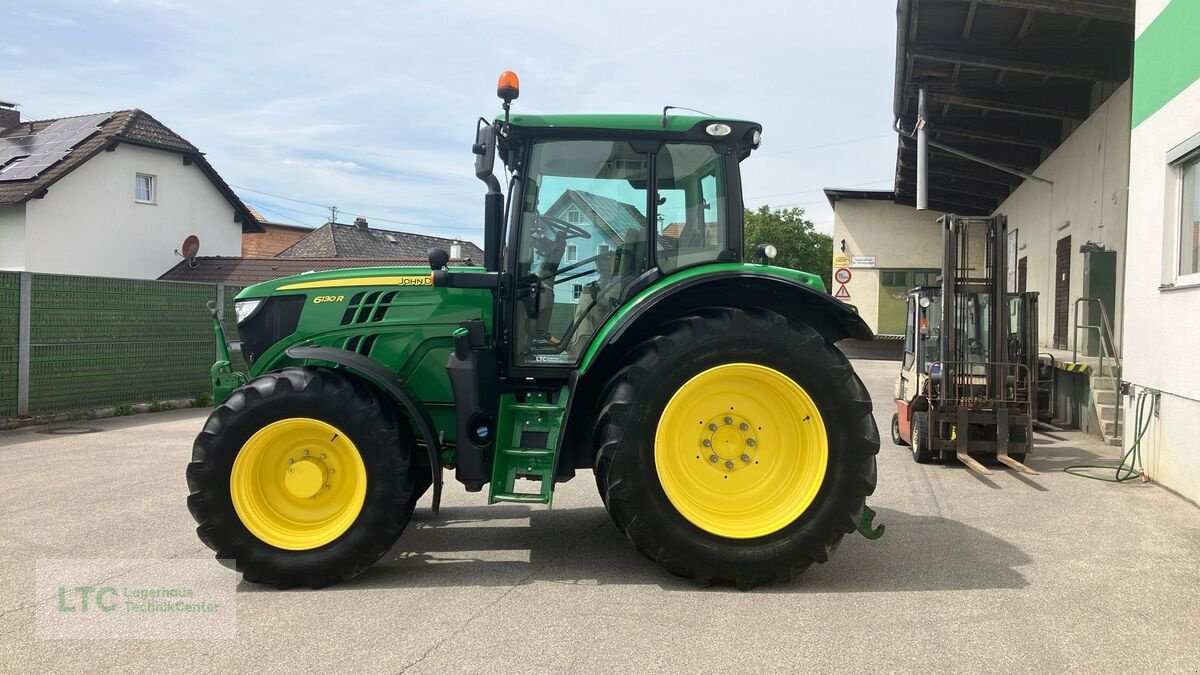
144	189
572	253
574	216
576	291
894	278
1189	219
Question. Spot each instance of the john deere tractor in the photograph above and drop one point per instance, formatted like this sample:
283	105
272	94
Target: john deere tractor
618	324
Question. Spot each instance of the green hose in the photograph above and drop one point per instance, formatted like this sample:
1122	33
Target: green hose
1130	466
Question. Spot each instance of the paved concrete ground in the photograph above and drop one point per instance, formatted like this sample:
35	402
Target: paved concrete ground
1012	573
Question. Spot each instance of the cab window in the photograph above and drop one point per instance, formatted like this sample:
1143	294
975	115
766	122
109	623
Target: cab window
691	221
583	239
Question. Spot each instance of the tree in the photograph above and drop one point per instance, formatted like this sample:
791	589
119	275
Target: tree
800	246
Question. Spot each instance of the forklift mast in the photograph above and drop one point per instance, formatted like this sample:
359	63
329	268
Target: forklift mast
961	278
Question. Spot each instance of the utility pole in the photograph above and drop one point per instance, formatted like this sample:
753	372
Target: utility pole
333	214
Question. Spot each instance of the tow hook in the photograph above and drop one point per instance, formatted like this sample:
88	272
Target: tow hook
865	528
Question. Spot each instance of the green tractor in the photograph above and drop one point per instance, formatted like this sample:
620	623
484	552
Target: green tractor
616	325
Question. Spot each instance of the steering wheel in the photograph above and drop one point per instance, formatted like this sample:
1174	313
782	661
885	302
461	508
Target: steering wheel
568	230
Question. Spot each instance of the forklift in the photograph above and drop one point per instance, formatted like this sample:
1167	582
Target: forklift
969	382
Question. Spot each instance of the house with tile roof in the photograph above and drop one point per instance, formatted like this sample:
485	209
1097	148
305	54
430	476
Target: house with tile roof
274	237
610	221
112	194
360	240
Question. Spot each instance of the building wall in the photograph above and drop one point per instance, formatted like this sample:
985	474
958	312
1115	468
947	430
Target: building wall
900	237
89	223
270	243
12	238
1087	202
1160	355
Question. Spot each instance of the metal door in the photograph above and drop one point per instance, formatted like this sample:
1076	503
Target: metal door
1062	292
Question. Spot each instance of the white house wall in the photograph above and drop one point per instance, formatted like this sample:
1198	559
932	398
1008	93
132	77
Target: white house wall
1160	356
1090	171
900	237
89	223
12	238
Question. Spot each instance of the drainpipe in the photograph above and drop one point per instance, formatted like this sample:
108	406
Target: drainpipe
922	154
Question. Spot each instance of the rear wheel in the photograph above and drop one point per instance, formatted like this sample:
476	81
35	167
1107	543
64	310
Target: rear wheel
920	443
304	477
736	447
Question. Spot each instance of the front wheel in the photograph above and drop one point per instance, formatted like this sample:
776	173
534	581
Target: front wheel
736	446
304	477
896	437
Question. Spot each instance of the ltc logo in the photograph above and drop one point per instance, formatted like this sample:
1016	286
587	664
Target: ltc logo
87	597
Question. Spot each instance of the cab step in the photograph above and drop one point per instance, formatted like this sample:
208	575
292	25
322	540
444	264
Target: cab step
526	435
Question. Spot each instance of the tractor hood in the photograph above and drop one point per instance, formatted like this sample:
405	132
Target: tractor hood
344	279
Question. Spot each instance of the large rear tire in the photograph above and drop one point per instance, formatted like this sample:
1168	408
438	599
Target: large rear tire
787	420
303	477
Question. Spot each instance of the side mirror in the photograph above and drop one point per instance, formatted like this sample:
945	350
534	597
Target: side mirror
484	149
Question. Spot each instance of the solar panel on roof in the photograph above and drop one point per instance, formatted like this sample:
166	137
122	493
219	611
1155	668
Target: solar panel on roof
42	150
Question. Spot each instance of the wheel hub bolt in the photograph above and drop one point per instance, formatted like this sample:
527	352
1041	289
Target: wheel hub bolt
728	464
745	458
707	443
743	426
712	458
750	442
728	420
712	427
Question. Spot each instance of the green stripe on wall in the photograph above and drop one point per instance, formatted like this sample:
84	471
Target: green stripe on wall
1166	58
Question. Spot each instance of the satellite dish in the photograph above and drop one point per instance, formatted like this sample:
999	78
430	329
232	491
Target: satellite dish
191	246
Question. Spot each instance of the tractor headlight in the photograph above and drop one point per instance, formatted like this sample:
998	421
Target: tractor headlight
756	138
766	252
244	308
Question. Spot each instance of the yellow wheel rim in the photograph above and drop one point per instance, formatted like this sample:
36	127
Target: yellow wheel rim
741	450
298	484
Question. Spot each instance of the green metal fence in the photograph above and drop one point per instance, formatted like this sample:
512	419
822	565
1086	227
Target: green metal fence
97	342
10	309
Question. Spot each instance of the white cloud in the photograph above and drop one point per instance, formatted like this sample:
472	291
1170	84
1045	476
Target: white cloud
335	164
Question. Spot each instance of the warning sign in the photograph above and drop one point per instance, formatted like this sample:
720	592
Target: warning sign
842	276
842	293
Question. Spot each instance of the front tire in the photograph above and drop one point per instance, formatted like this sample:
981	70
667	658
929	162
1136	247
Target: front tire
920	443
788	421
303	477
896	438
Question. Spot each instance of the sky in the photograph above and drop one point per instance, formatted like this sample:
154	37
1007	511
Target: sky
371	106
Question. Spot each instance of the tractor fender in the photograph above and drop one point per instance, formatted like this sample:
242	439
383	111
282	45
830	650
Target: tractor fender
746	287
383	377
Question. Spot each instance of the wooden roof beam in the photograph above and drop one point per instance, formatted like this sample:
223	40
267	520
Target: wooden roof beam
1078	113
1118	11
1002	62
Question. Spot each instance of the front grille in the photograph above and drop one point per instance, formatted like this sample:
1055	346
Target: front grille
275	320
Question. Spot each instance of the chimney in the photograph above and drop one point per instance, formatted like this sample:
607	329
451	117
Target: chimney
455	251
9	115
360	223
